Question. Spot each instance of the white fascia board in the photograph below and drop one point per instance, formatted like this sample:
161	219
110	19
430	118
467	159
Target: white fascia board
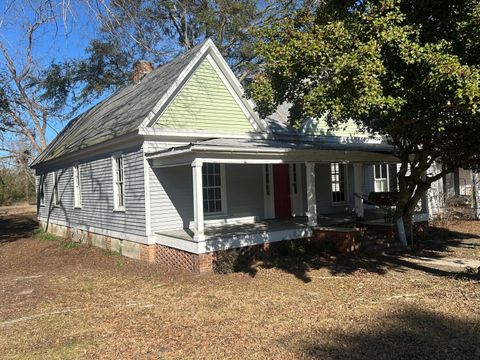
308	154
106	147
189	135
185	157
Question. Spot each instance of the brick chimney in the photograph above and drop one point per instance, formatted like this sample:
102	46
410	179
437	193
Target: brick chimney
140	69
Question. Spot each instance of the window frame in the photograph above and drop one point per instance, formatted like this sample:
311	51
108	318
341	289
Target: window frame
55	192
41	190
117	205
223	191
345	183
385	178
77	187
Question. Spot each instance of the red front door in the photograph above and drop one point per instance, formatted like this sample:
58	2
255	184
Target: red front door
281	186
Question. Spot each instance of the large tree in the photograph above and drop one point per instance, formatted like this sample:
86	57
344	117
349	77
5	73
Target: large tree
404	69
157	31
27	112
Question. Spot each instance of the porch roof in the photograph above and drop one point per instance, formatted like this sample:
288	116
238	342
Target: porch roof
275	151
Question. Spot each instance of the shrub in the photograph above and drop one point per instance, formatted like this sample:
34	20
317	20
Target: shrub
226	262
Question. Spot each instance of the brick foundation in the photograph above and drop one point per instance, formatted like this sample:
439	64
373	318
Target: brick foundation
345	240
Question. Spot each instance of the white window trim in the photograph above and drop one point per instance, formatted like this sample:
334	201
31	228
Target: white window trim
77	186
347	195
116	206
223	193
387	178
55	192
41	190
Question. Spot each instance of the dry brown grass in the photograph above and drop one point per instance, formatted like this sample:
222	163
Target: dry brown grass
85	303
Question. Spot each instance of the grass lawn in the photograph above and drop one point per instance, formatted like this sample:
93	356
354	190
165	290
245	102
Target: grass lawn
61	301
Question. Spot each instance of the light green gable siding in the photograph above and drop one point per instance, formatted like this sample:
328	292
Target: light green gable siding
349	129
204	103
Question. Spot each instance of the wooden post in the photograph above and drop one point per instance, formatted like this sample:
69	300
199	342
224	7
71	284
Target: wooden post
358	189
311	194
199	225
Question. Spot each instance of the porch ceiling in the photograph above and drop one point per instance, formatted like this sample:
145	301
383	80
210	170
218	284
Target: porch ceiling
272	151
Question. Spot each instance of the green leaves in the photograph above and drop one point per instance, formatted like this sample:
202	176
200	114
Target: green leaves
398	67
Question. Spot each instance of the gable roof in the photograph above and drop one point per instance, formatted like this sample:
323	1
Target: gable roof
128	109
119	114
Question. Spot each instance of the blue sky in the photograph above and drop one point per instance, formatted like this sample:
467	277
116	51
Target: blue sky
55	42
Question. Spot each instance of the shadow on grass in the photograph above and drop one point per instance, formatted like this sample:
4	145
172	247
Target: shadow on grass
410	333
301	258
15	227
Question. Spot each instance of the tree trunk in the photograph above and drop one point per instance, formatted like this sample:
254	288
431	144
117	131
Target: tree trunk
475	194
412	188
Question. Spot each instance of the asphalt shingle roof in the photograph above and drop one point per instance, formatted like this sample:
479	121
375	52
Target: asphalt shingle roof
119	114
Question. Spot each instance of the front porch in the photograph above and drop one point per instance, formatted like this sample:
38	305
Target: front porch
236	235
257	192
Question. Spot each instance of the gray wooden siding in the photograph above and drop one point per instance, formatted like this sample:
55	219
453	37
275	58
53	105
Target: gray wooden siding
171	198
244	190
97	195
171	195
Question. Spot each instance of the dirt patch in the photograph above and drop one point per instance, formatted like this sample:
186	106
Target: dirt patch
87	303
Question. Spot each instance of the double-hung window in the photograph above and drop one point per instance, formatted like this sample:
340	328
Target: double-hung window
381	177
77	188
41	190
338	176
213	185
118	183
56	199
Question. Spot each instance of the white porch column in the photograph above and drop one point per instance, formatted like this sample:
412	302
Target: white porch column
199	225
311	194
358	189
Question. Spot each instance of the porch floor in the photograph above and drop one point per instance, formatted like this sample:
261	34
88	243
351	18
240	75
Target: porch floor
219	231
272	225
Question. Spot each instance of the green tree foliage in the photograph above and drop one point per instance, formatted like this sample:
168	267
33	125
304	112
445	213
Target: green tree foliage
405	69
157	31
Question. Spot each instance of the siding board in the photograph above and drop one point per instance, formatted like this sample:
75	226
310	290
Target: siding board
97	195
171	195
205	103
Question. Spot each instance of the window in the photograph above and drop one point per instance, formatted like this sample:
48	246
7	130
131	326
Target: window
212	181
77	192
41	190
55	189
118	183
337	172
381	177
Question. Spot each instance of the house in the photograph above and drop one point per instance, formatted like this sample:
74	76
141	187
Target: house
459	189
178	165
